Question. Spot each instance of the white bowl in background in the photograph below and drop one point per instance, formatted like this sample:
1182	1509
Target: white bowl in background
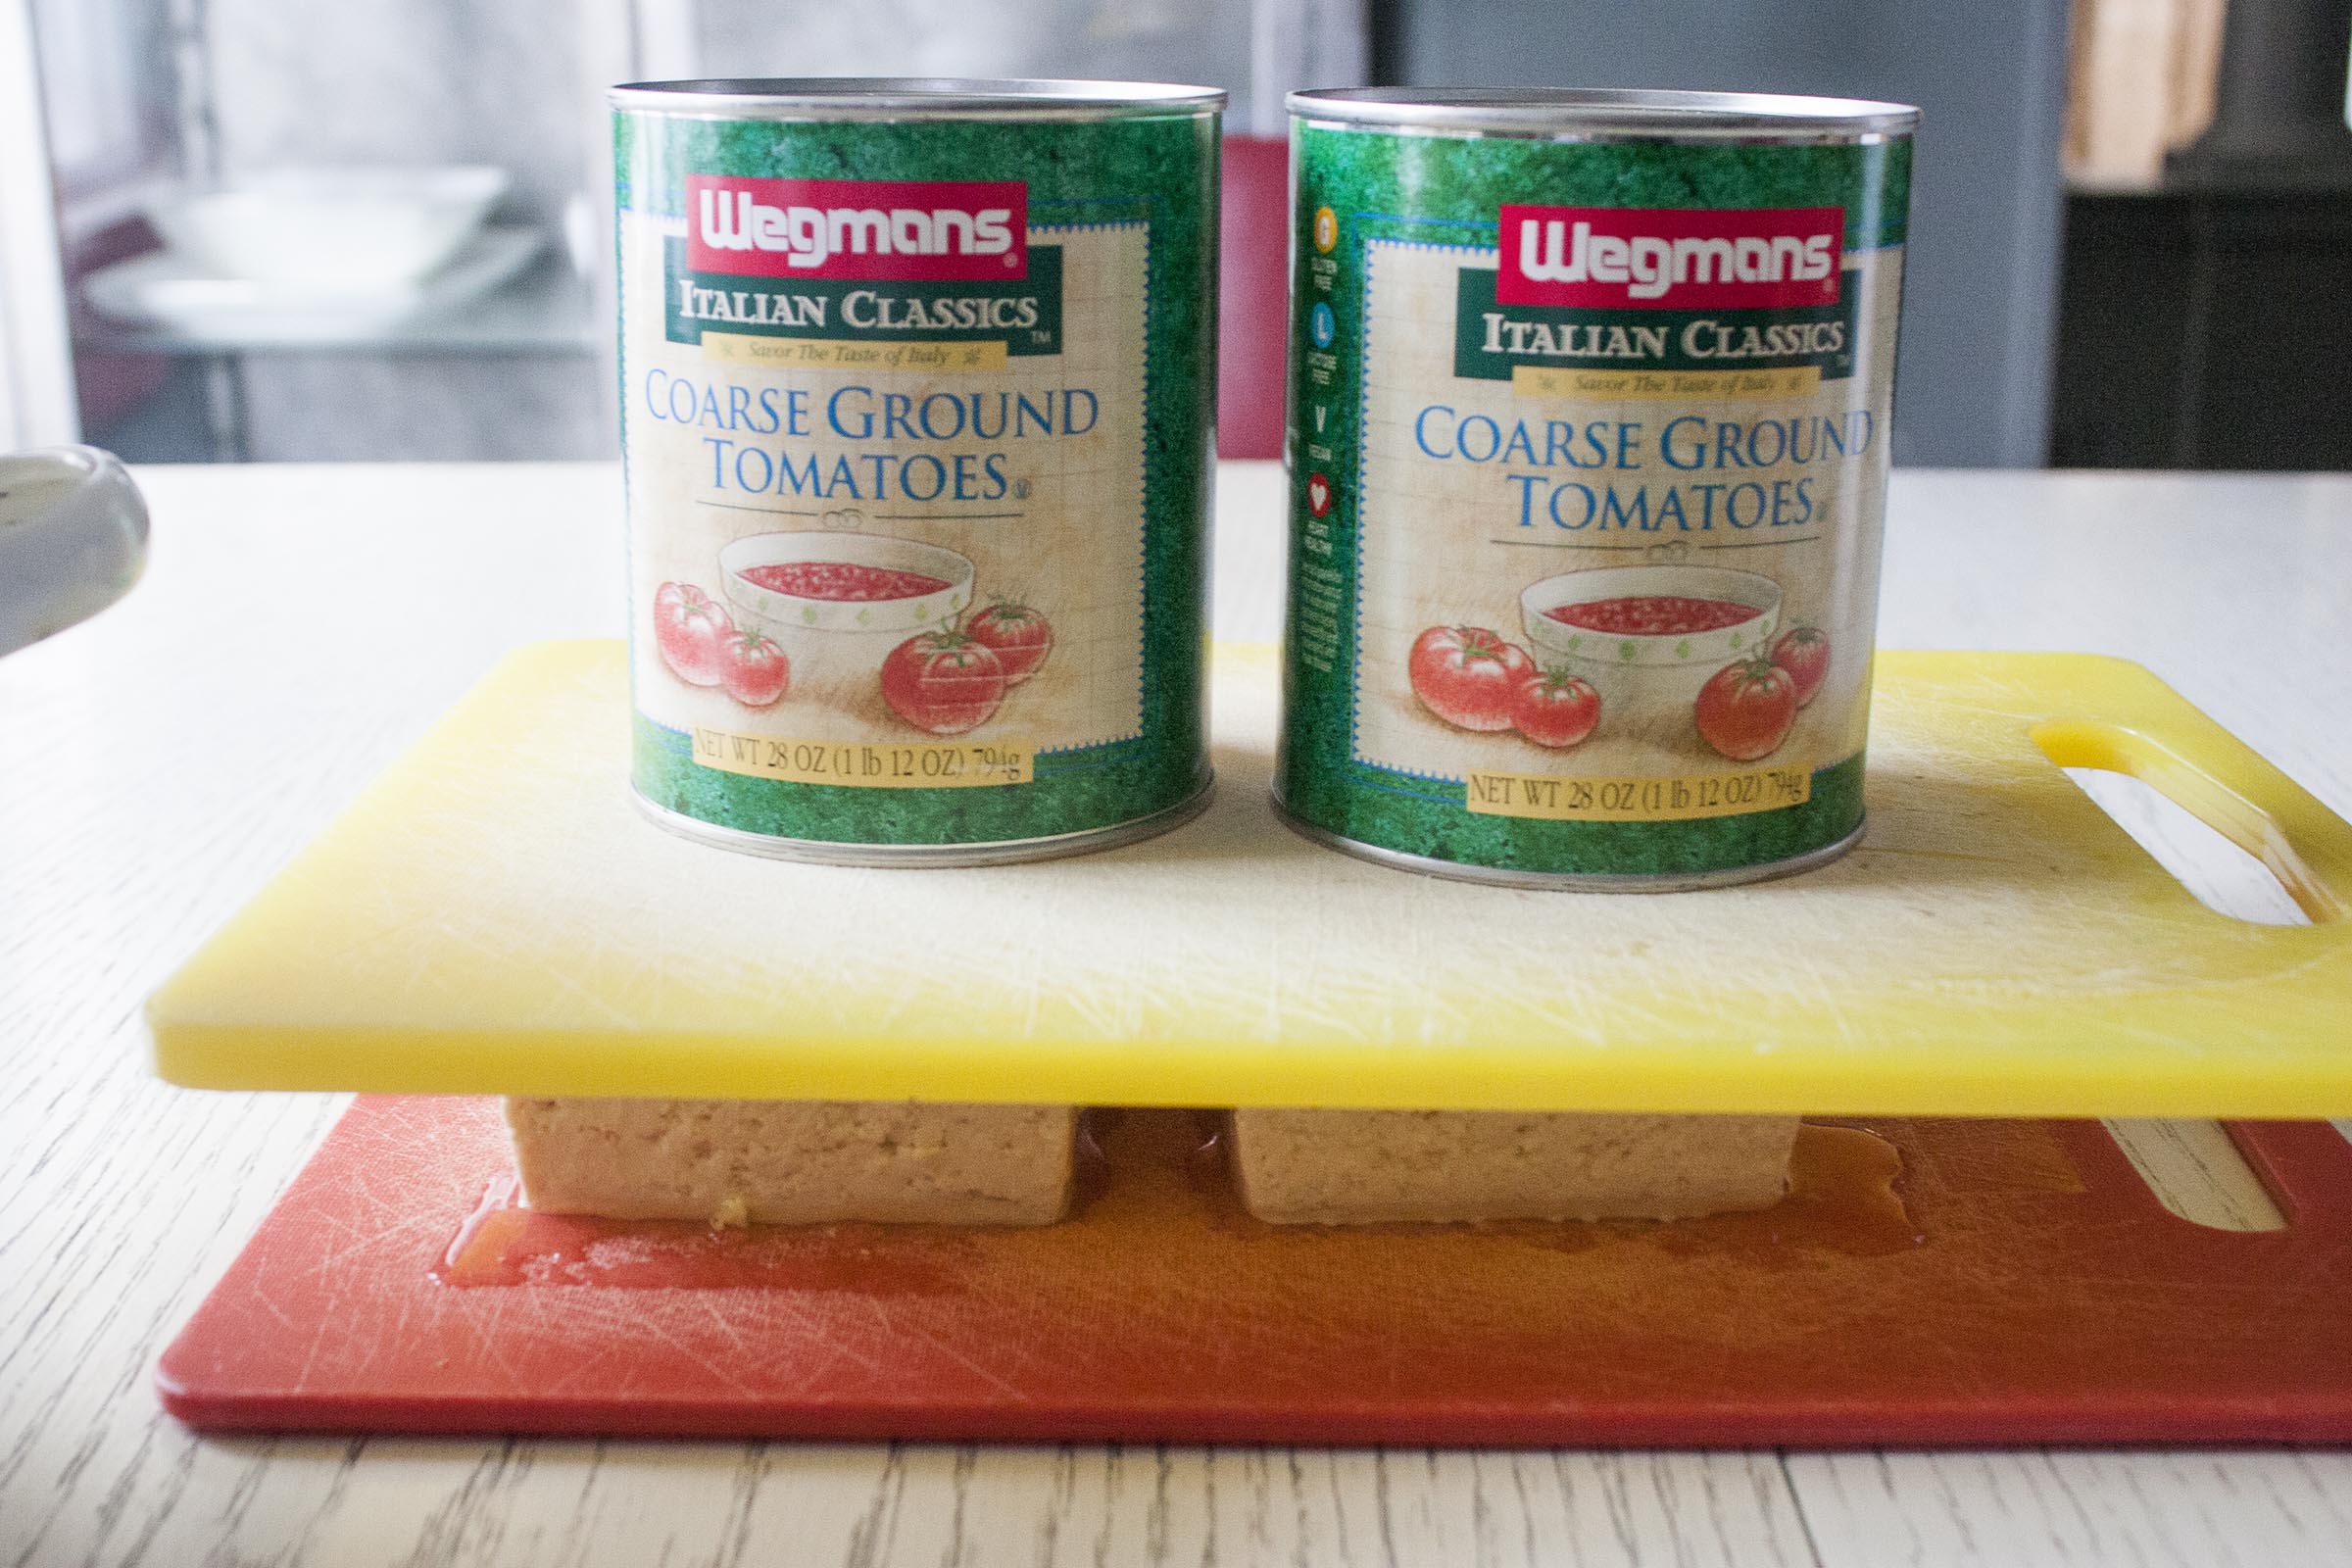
170	291
357	228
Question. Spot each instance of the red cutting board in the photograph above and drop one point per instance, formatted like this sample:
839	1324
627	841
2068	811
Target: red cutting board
2018	1284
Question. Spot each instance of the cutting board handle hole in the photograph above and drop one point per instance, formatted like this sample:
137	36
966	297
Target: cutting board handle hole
2196	1172
2216	870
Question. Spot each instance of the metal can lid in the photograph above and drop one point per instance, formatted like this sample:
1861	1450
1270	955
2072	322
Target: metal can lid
1581	114
913	97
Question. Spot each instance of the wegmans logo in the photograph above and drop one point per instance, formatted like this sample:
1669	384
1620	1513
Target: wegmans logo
935	229
1621	258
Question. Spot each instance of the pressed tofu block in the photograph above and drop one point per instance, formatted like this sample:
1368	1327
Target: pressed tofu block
1356	1167
796	1162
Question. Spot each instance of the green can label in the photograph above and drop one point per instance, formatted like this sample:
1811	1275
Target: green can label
915	429
1589	449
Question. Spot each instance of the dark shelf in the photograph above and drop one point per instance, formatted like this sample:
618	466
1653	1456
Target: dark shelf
2204	330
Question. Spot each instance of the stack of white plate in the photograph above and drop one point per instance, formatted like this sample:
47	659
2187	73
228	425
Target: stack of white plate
314	252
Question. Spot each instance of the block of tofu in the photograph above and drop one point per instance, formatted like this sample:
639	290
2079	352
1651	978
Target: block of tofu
796	1162
1356	1167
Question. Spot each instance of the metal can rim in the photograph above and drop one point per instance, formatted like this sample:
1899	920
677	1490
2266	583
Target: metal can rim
869	98
1580	113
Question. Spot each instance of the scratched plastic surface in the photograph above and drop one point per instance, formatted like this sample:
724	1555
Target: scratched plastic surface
494	917
2025	1288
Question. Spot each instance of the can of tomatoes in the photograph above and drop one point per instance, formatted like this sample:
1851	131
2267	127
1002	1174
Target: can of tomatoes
1590	395
918	380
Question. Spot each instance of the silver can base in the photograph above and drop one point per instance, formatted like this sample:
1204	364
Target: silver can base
1567	881
1006	851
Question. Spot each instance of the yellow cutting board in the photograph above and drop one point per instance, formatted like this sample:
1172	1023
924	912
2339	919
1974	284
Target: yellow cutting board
494	916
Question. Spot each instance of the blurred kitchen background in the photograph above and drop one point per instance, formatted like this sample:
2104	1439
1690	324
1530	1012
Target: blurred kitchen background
252	230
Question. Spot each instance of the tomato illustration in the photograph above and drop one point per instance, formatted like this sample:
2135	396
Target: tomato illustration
1017	635
1467	675
943	681
1746	709
691	629
1805	653
1555	708
758	673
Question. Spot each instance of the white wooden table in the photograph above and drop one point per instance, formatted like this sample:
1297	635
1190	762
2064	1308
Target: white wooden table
302	624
